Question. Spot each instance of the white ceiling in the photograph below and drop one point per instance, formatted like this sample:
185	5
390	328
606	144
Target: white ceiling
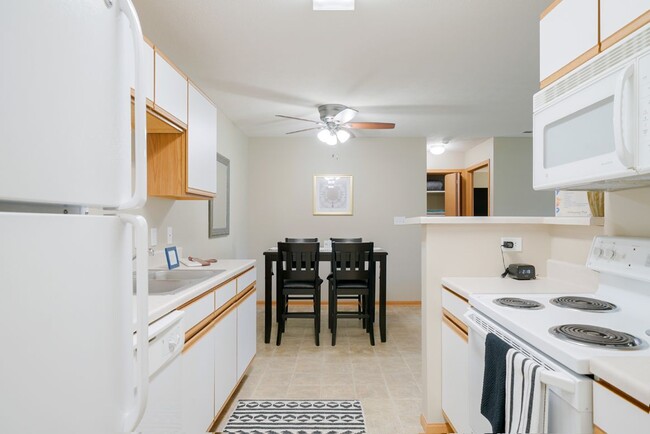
461	69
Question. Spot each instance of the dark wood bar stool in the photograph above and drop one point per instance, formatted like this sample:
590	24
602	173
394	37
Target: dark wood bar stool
353	274
297	279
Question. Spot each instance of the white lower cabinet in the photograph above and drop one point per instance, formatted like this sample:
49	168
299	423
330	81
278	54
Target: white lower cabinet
198	382
455	389
246	332
614	414
225	363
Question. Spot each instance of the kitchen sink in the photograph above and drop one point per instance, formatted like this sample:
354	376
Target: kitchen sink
182	274
167	282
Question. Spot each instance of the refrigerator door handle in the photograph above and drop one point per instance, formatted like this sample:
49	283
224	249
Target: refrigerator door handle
133	416
139	196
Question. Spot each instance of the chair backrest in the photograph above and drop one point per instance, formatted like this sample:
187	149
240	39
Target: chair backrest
298	261
346	240
301	240
353	261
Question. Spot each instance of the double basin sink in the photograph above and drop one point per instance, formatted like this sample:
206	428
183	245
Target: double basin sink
167	282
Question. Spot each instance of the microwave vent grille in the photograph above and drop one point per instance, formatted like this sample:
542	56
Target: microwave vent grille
629	48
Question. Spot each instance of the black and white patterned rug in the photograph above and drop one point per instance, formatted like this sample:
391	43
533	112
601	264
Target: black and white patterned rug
296	417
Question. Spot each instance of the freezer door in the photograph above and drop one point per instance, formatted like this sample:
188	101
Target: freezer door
66	323
65	102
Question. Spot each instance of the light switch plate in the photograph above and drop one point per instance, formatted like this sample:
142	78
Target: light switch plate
153	237
170	235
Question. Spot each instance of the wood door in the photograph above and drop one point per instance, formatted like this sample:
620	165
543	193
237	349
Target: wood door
452	194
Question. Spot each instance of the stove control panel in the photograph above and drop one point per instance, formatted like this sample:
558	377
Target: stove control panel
622	256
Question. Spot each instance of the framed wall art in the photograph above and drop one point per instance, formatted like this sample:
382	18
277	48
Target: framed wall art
333	195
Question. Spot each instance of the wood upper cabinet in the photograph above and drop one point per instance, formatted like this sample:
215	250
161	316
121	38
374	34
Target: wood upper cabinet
170	89
619	18
568	37
183	164
149	70
201	144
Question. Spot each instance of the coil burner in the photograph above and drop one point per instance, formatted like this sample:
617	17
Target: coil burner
519	303
583	303
594	336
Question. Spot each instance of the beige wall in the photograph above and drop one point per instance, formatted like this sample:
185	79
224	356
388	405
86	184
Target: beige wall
389	180
448	160
627	212
512	179
189	218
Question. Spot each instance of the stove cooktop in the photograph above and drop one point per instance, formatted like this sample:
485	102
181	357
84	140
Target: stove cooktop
537	326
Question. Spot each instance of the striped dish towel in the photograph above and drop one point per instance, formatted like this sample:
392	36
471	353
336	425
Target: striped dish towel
525	395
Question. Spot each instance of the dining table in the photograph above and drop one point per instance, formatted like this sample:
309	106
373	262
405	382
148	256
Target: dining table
271	257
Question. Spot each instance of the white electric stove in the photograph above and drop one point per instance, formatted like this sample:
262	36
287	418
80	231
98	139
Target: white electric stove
564	332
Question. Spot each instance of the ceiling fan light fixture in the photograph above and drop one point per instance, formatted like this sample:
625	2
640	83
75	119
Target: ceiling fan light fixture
333	5
326	136
343	136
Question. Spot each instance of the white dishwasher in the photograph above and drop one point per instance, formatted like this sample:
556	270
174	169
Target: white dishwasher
163	411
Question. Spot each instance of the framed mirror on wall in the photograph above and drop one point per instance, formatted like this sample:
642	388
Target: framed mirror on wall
219	207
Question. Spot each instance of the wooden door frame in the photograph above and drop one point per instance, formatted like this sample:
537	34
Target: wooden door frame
467	182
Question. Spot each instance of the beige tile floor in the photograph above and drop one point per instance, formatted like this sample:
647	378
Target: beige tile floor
386	378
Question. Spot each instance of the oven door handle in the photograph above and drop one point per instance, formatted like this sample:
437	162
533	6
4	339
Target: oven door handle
548	377
557	379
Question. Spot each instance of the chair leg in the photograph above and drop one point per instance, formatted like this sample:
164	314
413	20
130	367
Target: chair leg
317	316
370	326
329	306
333	316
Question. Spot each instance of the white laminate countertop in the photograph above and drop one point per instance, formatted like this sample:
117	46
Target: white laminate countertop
628	374
465	286
161	305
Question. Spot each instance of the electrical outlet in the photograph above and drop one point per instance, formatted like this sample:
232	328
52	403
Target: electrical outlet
516	241
170	235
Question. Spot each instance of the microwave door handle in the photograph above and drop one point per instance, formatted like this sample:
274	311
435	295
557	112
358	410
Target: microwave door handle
624	155
139	196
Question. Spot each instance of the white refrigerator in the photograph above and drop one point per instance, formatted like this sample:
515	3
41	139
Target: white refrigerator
66	274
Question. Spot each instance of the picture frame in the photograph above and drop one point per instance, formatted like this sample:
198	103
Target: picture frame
333	195
219	207
172	257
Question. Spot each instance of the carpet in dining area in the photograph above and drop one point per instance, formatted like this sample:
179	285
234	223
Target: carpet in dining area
296	417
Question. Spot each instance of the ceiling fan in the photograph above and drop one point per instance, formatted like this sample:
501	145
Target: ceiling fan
334	124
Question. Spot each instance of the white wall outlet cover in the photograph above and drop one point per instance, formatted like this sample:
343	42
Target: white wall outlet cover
170	235
516	241
153	237
399	220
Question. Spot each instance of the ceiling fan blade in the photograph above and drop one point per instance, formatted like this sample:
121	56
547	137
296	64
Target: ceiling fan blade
306	129
370	125
299	119
345	115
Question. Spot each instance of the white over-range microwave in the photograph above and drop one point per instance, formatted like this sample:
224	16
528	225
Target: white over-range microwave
591	129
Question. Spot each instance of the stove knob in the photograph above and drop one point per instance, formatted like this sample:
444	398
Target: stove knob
609	254
598	252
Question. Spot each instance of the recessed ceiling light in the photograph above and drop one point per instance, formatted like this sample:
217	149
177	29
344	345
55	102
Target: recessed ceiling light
333	5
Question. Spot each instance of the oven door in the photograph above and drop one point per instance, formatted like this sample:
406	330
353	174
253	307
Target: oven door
569	408
588	136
